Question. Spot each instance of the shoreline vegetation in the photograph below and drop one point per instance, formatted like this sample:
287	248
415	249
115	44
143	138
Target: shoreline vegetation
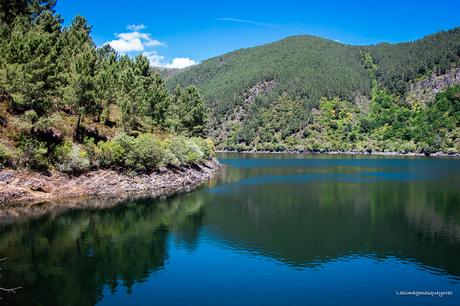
314	94
74	116
375	153
79	120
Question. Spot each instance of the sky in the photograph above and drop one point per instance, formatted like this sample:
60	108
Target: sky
177	34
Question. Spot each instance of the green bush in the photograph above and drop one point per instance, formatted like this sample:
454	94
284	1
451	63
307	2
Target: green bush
33	154
109	154
146	153
186	150
6	156
71	158
30	116
194	153
55	122
179	147
91	149
124	140
206	146
169	158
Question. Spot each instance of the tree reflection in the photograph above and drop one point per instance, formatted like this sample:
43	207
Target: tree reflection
67	260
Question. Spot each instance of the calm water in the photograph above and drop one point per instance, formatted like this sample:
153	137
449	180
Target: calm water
269	230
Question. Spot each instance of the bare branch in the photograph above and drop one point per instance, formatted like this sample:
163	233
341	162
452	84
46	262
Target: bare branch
10	290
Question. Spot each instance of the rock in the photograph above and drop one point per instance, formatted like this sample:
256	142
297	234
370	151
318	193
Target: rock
22	186
425	90
6	176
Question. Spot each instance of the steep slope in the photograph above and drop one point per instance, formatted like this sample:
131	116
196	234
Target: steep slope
302	66
401	63
270	94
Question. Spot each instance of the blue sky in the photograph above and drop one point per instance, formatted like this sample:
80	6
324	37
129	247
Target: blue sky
179	33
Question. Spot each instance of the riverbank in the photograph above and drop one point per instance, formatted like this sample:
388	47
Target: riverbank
435	154
24	187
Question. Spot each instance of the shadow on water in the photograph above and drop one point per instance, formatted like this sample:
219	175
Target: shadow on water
303	213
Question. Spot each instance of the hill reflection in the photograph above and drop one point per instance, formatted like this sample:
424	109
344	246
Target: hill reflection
69	257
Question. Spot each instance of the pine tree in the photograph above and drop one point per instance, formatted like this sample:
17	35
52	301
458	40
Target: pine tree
29	73
106	81
78	60
193	112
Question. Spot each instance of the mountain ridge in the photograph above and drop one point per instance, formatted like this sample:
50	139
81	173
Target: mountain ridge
306	69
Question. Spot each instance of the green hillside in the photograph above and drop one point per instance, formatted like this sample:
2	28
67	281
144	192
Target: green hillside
69	106
269	97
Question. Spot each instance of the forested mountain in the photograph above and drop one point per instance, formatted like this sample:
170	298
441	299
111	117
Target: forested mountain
67	105
276	96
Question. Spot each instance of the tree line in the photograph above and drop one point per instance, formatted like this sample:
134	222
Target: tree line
54	77
309	70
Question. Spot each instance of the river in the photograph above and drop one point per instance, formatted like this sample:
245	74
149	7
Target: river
269	229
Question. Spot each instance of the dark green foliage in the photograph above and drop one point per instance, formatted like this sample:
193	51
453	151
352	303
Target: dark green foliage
390	125
62	99
188	112
78	62
105	81
10	9
6	156
33	154
303	66
400	63
305	69
28	69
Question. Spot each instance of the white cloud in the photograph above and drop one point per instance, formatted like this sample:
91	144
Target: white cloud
136	27
181	62
157	60
133	41
137	42
154	58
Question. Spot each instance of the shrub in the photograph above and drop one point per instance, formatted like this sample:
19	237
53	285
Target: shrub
71	158
33	154
186	150
109	154
169	158
30	116
6	156
91	149
146	153
194	153
124	140
178	146
206	146
55	122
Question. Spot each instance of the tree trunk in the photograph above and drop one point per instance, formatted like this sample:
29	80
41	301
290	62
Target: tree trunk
77	131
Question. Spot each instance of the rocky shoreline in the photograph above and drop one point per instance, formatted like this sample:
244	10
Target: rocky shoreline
24	188
434	154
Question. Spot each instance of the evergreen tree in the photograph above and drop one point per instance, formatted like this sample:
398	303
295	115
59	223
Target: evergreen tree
78	61
154	96
28	62
192	112
106	81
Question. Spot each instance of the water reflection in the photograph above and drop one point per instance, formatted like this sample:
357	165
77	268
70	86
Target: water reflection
264	219
67	259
